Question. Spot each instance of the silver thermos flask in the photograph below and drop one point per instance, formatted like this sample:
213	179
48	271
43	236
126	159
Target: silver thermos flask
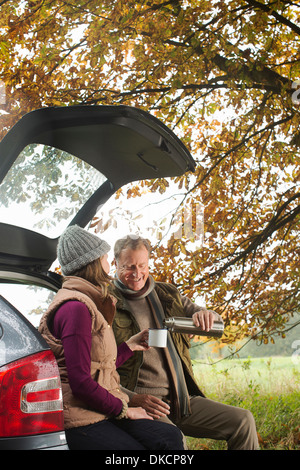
186	325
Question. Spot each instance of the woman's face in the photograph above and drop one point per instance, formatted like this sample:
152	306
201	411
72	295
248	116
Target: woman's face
105	264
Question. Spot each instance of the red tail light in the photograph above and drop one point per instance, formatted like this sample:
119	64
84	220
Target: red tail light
30	396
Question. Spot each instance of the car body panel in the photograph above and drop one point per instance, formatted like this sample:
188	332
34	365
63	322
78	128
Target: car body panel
47	441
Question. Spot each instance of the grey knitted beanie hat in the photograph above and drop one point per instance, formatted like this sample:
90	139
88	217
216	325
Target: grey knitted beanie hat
76	248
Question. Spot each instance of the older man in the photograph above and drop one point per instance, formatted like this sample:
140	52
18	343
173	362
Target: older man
162	380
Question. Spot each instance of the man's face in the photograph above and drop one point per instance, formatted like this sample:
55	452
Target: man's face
132	267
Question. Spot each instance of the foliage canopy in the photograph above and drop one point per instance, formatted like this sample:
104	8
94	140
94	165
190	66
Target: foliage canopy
222	75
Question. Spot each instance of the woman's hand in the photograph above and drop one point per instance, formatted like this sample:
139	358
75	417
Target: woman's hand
139	342
137	413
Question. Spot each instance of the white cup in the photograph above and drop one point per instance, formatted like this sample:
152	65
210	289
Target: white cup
158	337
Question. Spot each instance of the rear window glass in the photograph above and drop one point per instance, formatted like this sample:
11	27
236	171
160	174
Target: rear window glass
32	301
45	188
17	337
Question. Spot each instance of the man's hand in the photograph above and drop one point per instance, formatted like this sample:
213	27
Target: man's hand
154	406
204	319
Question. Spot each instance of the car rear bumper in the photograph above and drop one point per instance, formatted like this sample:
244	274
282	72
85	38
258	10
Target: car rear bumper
51	441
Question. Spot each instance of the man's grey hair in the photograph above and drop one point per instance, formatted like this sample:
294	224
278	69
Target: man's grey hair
130	241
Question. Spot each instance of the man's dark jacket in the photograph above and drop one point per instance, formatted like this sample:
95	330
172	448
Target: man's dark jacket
126	326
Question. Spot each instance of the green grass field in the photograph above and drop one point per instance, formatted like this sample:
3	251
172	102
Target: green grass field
268	387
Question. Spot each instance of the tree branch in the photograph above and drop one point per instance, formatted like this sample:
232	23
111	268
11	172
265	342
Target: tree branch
276	15
275	224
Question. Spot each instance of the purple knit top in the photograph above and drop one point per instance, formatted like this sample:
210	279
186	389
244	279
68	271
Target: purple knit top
72	325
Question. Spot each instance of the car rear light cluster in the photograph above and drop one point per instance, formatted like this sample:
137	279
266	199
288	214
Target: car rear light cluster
30	396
